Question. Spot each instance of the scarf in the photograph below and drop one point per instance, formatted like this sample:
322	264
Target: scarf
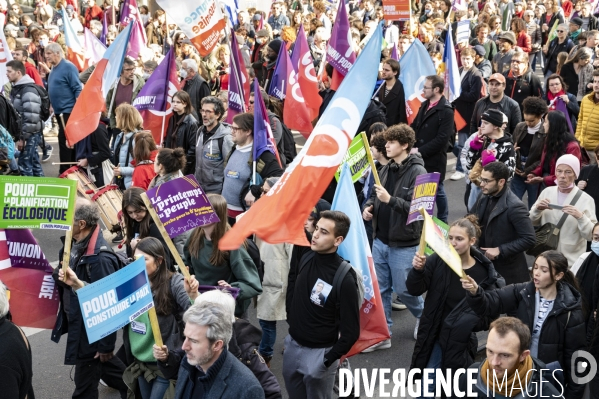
506	389
533	130
551	97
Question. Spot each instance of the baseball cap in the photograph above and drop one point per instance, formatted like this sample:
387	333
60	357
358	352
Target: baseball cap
480	50
498	77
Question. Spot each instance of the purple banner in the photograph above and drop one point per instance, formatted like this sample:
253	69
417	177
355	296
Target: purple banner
128	12
278	82
394	53
560	105
182	205
340	53
425	192
24	250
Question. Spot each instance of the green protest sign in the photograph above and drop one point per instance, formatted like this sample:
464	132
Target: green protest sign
37	202
355	158
444	229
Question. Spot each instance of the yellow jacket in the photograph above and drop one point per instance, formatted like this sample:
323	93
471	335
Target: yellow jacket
587	130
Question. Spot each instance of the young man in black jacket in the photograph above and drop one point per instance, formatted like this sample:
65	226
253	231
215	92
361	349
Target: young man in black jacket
434	127
320	331
395	243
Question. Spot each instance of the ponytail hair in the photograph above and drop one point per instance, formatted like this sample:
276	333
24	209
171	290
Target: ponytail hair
171	159
559	264
470	224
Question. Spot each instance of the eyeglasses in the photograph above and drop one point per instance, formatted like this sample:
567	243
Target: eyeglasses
206	111
560	31
426	88
486	181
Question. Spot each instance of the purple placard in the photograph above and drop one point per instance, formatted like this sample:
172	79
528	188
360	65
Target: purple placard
425	192
182	205
25	251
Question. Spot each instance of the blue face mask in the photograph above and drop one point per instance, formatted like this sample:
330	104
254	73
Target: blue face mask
595	247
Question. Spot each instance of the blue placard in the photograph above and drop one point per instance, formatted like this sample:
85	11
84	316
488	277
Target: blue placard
113	302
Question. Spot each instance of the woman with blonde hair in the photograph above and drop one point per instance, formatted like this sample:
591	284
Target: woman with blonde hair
129	122
211	266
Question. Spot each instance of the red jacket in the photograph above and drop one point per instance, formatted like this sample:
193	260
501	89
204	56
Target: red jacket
568	7
33	74
94	12
523	41
572	148
144	173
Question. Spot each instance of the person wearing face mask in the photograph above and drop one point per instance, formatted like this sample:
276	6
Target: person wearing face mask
578	226
262	37
149	67
426	13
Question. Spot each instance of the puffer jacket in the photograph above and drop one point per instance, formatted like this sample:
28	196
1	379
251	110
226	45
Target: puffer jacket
504	148
587	130
28	104
454	333
400	234
210	157
121	158
562	333
536	147
186	139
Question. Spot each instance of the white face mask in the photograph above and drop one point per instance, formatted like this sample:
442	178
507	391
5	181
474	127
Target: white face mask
145	75
183	73
259	40
240	39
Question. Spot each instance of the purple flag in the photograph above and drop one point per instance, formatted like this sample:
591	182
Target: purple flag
236	92
263	137
560	105
340	53
138	39
128	12
296	53
154	94
394	53
182	205
104	30
278	82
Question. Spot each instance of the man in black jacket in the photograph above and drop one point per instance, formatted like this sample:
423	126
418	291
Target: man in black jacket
472	81
395	243
507	231
392	94
435	128
521	81
91	260
320	332
499	101
508	351
195	85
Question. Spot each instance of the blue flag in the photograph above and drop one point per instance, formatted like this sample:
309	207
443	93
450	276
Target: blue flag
263	137
278	81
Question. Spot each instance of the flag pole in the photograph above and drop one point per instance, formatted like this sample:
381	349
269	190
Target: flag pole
162	129
113	15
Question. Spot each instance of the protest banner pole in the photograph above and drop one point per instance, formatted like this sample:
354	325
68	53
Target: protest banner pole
66	255
155	326
167	239
375	174
422	245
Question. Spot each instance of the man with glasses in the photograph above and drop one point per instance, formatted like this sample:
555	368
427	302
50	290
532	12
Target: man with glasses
213	145
277	20
195	85
507	231
521	81
127	88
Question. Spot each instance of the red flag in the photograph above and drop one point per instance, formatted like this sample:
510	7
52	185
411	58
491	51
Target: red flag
307	75
295	112
28	275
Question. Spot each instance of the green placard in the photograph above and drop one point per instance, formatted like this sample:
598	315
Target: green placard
444	228
37	202
355	158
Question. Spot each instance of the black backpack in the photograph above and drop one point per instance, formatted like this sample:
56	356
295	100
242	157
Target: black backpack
45	109
12	121
289	149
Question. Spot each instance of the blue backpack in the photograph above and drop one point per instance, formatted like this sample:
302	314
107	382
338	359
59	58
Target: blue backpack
7	147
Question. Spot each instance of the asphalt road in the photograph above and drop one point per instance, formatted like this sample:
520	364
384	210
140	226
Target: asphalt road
53	380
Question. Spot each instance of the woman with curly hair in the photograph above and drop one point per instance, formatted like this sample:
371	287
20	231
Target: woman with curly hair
559	141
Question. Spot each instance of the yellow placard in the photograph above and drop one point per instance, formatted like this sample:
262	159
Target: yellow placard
435	239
